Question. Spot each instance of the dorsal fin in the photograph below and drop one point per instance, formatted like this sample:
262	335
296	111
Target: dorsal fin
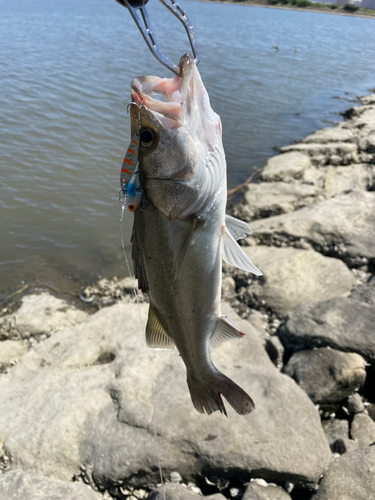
156	336
225	330
235	256
238	228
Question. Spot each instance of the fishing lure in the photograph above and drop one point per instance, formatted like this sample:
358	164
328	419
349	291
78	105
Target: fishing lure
129	177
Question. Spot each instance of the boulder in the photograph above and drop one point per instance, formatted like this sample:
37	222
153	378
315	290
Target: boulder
327	375
272	198
341	226
350	477
363	429
18	484
173	491
345	324
10	351
82	400
39	315
260	490
293	276
285	167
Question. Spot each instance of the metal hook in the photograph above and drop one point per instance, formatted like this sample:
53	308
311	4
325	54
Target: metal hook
144	25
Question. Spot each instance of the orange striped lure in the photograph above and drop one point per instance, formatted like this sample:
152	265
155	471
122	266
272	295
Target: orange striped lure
129	178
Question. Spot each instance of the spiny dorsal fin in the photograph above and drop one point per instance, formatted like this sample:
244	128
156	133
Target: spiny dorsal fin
225	330
235	256
238	228
156	336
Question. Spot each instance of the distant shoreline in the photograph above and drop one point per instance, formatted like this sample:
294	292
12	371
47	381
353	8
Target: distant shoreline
264	3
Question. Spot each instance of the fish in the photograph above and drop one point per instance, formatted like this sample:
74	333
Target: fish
181	232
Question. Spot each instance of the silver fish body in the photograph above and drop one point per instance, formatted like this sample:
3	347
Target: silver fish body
180	234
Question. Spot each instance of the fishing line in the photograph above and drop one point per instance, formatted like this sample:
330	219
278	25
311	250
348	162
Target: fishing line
123	205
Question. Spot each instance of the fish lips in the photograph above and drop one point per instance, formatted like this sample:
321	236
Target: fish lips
165	97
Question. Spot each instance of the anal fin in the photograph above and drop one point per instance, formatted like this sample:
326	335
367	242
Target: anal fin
225	330
238	228
235	256
156	336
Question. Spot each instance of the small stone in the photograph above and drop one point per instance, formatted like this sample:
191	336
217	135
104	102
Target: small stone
355	404
275	350
344	445
257	490
234	492
175	477
370	408
363	429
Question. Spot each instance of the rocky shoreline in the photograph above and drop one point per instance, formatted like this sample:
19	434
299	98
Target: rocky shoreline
80	397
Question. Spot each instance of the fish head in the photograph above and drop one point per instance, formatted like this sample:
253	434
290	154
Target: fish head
181	157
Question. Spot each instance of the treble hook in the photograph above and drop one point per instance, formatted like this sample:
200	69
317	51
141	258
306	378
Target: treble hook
144	25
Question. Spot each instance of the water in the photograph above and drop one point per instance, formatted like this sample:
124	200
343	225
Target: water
65	72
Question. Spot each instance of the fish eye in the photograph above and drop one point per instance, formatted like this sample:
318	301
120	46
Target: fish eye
148	137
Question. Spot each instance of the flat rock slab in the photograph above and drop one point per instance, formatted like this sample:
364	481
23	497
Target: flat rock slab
327	375
330	134
21	485
346	324
350	477
270	198
293	276
38	315
82	398
342	226
285	167
341	179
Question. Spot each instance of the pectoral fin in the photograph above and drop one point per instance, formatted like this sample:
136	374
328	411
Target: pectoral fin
156	336
225	330
235	256
238	228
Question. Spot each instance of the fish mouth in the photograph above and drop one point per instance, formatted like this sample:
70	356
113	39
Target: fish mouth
166	97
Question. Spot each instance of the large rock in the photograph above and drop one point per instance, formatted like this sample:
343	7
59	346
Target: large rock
342	226
260	490
21	485
272	198
350	477
285	167
339	179
81	400
39	315
346	324
292	276
363	429
327	375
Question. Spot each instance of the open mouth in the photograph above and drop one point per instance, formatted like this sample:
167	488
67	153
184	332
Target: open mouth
165	96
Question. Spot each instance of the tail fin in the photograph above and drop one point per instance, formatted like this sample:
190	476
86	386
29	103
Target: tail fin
206	395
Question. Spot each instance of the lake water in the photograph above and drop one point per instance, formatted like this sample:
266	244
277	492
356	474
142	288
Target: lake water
65	72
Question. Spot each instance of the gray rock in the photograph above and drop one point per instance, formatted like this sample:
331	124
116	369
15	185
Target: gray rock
307	276
270	198
365	293
355	404
363	429
349	477
81	400
327	375
331	134
285	167
324	154
341	225
18	484
368	99
258	491
173	491
275	350
345	324
335	429
10	351
38	315
370	408
342	179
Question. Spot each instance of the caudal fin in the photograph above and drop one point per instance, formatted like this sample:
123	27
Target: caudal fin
206	395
